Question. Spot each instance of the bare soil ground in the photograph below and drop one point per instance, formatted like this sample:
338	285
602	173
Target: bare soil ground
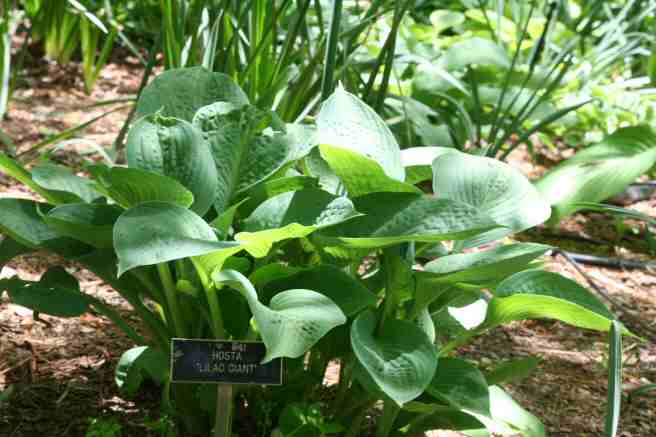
61	370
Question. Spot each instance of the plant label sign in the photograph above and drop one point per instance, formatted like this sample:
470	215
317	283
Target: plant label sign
222	362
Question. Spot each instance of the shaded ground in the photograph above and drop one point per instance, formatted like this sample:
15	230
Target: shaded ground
61	371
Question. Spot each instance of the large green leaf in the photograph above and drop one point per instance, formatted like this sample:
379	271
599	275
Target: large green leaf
156	232
131	186
492	186
21	221
401	359
139	363
485	266
61	179
461	385
16	171
392	218
55	294
540	282
10	248
267	189
294	320
311	208
91	223
345	121
181	92
599	171
535	294
361	175
175	148
475	51
350	295
508	418
249	145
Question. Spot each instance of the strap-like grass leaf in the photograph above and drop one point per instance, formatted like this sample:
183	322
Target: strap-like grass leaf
347	122
131	186
461	385
294	320
492	186
401	359
181	92
156	232
361	175
392	218
175	148
91	223
599	171
614	380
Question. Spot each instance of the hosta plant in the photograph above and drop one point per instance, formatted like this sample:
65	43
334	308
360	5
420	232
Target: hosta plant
229	224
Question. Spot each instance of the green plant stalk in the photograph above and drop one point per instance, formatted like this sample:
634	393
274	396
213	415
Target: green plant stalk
390	411
614	379
211	293
170	292
328	81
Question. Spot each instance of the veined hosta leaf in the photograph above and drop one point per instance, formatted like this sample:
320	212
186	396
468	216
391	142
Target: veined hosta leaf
475	51
461	385
599	171
401	359
61	179
181	92
21	221
347	122
418	162
317	167
249	145
540	282
156	232
492	186
534	294
268	189
54	294
16	171
294	320
131	186
294	214
175	148
392	218
485	266
359	174
350	295
311	208
138	363
91	223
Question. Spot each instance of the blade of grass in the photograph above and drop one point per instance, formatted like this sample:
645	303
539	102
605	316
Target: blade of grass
327	82
614	380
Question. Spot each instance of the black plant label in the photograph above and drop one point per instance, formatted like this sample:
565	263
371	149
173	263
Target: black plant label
217	361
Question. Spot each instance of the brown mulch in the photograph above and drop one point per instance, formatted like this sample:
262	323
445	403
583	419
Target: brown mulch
61	371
